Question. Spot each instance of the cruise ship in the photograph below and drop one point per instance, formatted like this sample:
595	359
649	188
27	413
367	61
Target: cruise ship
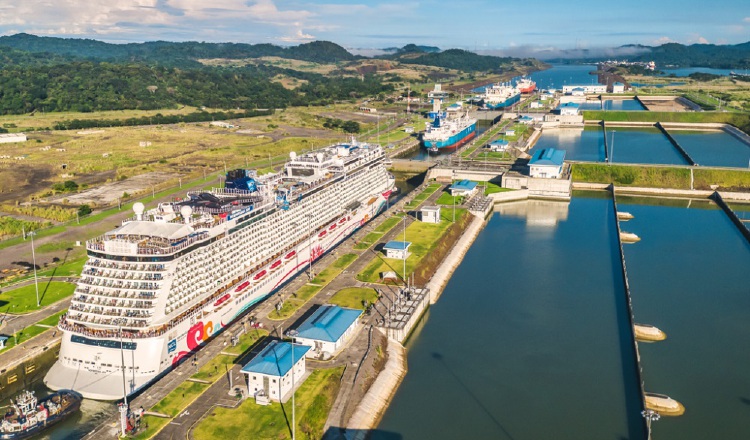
500	95
156	288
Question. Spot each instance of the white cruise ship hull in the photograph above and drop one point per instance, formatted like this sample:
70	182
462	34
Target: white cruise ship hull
93	366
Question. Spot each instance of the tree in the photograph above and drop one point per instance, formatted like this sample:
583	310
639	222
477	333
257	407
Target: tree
84	210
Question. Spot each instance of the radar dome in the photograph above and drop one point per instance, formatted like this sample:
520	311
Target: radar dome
138	208
320	157
292	155
186	211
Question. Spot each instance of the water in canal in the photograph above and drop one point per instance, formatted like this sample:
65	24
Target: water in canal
614	104
563	74
530	339
584	144
424	155
688	276
642	145
714	148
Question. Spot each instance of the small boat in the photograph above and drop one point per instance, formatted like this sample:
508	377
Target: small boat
333	226
629	237
290	255
664	405
322	234
648	333
28	416
222	300
242	286
433	150
624	216
276	265
260	275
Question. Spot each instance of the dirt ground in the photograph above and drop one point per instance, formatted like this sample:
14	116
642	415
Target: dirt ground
657	105
109	193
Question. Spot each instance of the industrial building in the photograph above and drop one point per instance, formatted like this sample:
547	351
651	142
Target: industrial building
269	374
398	250
328	329
547	163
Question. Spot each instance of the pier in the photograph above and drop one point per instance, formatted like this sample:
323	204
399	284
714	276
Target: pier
716	197
626	285
676	144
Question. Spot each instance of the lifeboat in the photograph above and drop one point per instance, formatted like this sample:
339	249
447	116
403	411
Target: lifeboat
333	226
322	234
290	255
221	300
242	286
276	265
259	275
342	221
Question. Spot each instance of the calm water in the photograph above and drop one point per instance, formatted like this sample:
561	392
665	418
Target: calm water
685	71
424	155
586	144
563	74
714	148
614	104
642	145
530	337
689	277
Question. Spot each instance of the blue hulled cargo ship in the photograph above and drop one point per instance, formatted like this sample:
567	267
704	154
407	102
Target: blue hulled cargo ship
445	132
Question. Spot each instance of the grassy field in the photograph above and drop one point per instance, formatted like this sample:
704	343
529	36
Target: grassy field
492	188
421	197
69	268
424	237
23	299
155	424
378	232
23	335
726	180
446	199
304	293
313	401
354	297
180	398
624	175
216	368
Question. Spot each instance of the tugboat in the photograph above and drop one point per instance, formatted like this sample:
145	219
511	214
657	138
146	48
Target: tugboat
27	416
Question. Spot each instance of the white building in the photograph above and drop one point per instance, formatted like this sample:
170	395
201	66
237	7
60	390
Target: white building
547	163
430	214
618	87
569	109
536	104
437	93
397	249
6	138
573	89
269	374
465	188
328	329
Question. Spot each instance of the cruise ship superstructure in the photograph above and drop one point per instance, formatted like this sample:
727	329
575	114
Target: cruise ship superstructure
156	288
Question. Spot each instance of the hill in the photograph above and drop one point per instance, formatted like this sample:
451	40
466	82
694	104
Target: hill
171	53
458	59
735	56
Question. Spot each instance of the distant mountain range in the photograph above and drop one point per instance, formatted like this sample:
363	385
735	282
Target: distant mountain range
731	56
171	53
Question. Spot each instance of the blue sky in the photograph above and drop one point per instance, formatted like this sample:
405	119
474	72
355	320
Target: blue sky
484	25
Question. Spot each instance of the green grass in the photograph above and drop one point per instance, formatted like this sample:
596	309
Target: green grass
23	335
313	402
304	293
54	246
727	180
247	340
623	175
689	117
421	197
377	233
23	299
492	188
155	424
447	199
423	237
179	399
353	297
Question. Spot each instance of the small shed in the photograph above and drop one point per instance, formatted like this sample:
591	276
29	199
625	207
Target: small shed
618	87
269	373
463	188
547	163
328	329
397	249
430	214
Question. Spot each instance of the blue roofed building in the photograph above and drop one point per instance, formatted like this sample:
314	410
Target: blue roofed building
328	329
569	108
463	188
397	249
269	373
547	163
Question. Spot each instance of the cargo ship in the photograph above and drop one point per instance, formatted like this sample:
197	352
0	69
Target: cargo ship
156	288
500	95
525	85
448	132
28	416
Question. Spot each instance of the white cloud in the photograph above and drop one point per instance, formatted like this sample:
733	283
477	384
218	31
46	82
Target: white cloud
299	36
662	40
746	19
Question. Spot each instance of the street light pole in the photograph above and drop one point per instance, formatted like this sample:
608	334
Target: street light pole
33	257
612	152
404	249
651	416
293	333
